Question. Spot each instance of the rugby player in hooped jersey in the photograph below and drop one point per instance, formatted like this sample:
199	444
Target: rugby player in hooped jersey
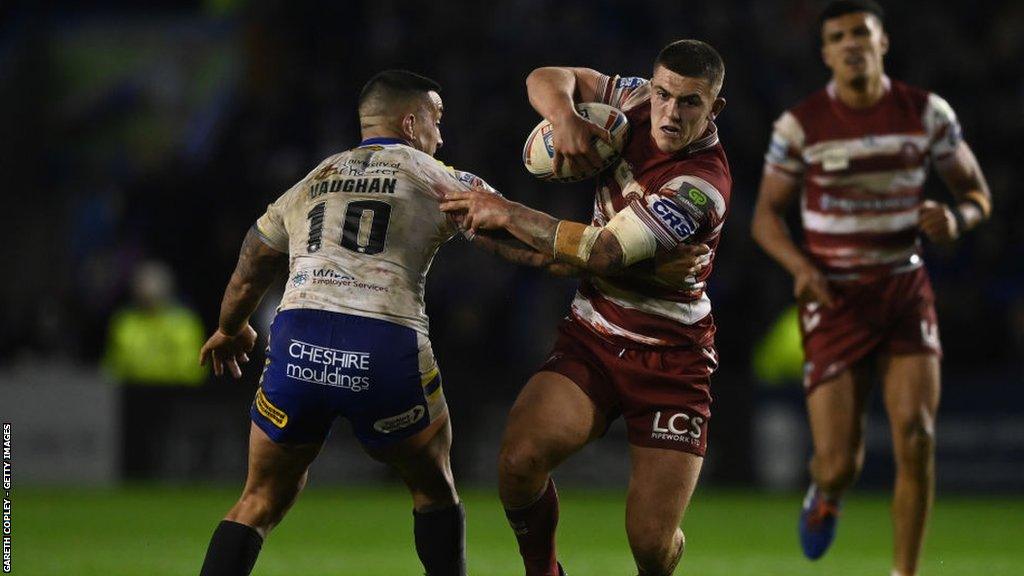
857	153
626	349
357	236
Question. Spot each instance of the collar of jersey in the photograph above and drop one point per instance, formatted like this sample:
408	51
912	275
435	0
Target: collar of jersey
382	141
709	139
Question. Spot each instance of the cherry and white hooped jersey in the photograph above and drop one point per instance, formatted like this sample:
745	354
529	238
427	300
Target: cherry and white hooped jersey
680	197
361	230
862	172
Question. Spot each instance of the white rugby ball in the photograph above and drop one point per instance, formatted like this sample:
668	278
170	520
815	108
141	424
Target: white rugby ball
539	150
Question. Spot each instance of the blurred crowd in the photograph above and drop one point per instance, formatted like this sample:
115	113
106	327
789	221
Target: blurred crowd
159	131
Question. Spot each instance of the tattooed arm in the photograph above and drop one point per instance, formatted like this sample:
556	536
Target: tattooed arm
667	270
529	237
258	265
539	231
509	248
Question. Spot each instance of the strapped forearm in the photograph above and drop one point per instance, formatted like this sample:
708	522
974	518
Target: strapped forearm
258	266
600	250
574	242
590	248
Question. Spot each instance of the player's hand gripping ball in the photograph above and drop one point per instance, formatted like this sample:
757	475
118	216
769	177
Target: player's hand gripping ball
539	150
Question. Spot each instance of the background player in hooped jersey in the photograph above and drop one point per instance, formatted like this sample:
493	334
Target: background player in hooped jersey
357	236
857	154
626	349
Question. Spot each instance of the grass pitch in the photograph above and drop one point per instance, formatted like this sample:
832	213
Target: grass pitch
157	531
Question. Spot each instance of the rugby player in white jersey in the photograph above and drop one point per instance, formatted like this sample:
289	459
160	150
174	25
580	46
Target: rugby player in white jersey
357	236
856	154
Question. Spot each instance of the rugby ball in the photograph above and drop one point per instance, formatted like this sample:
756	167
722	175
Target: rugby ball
539	150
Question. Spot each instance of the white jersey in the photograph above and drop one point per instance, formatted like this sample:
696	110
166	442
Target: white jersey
361	231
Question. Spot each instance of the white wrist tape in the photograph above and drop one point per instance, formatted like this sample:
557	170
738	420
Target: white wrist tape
635	239
587	241
574	242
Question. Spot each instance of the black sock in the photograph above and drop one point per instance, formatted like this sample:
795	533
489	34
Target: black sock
441	540
233	550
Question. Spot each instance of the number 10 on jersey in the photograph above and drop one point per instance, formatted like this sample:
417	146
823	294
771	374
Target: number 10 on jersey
364	231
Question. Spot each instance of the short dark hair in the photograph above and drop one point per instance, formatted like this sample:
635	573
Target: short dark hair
394	85
837	8
693	58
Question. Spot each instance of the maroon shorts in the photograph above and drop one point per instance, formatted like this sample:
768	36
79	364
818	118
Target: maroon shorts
663	393
889	315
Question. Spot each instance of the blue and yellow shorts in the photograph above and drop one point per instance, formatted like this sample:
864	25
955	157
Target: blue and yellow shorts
321	365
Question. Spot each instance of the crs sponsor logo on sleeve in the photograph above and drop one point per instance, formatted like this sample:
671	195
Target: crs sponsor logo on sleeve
678	427
674	218
628	82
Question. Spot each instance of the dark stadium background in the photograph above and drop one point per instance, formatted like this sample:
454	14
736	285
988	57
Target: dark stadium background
160	130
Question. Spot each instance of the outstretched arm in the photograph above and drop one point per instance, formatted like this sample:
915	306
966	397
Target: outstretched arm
516	252
603	251
589	248
667	270
258	265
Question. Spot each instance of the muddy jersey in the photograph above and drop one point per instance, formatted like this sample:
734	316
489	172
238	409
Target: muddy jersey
862	172
361	231
679	197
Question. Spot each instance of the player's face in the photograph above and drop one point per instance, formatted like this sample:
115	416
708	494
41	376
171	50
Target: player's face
426	135
853	45
681	108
